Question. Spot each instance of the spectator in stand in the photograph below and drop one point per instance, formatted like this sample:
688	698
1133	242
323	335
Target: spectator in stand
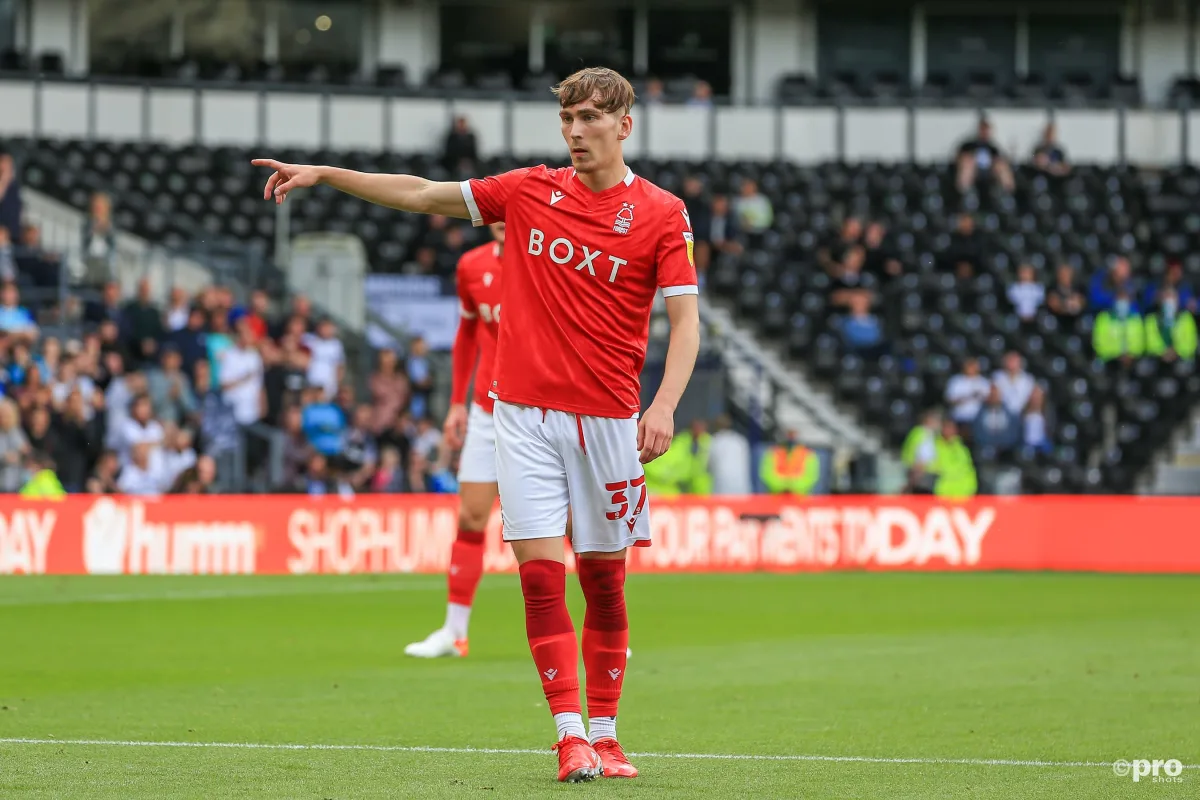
328	365
139	476
218	426
724	229
13	448
178	312
242	376
881	260
178	456
118	394
100	239
1026	295
399	436
1049	156
1119	333
1184	296
996	426
919	453
424	262
1171	329
451	251
301	311
389	478
831	253
1106	285
848	279
346	399
360	452
297	451
979	156
702	95
170	388
729	459
69	380
41	435
319	481
198	479
1015	384
192	342
953	466
81	437
8	257
655	93
15	319
144	326
389	389
11	210
418	472
420	376
104	476
862	332
217	341
256	315
1065	301
753	209
324	422
1034	428
109	307
461	152
966	393
964	255
110	342
427	438
140	428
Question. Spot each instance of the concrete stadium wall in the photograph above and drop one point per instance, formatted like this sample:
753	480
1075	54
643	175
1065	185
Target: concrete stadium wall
275	120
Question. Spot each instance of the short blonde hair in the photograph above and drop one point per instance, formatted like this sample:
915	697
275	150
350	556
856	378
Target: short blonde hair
610	89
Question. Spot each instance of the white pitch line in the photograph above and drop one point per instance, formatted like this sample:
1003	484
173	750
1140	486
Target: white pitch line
384	748
220	594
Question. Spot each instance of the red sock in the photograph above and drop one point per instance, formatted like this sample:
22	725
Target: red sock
466	567
605	632
551	634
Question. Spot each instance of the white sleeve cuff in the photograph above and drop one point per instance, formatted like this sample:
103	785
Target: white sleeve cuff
672	291
469	199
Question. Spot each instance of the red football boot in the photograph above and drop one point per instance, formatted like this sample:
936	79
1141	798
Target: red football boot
616	765
577	761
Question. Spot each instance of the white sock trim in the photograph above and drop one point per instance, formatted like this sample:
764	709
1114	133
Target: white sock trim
602	728
569	723
458	618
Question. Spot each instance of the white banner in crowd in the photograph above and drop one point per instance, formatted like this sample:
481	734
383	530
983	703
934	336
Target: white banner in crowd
414	304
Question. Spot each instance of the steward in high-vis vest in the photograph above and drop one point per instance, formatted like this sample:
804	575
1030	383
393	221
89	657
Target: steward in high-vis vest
44	484
952	465
696	445
1172	329
1119	333
790	468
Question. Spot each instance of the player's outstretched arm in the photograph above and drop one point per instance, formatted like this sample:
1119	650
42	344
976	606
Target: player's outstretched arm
657	426
401	192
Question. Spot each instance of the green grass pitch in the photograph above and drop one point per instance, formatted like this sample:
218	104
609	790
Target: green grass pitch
868	685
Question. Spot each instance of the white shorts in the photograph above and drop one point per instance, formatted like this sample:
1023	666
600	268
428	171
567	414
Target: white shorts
549	461
477	462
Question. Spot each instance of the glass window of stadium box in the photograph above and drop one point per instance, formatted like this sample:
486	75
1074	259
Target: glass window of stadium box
1078	50
582	34
130	38
8	25
971	50
224	39
484	43
691	43
861	46
320	40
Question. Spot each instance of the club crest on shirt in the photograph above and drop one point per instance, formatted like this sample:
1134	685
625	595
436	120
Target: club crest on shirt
687	237
624	218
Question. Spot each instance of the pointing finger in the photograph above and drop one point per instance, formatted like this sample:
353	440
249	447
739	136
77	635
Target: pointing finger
266	162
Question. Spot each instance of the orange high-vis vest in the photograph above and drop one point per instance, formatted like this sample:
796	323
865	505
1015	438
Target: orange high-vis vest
790	463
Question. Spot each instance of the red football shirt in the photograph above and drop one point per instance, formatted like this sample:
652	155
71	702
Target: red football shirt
478	282
580	272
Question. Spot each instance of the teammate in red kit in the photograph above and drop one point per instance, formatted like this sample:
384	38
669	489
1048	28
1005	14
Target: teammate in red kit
478	282
588	248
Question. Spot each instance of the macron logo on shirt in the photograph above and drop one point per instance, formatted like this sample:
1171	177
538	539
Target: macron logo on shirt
555	197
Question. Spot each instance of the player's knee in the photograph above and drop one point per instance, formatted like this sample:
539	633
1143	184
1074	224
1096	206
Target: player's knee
602	580
473	517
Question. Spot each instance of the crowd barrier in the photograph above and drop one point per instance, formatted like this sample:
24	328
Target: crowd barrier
412	533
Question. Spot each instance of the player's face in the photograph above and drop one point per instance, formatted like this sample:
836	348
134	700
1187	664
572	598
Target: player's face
497	229
593	136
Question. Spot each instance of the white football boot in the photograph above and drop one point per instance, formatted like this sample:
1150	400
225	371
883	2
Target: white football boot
439	644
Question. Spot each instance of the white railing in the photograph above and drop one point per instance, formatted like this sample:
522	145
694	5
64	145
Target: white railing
274	119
